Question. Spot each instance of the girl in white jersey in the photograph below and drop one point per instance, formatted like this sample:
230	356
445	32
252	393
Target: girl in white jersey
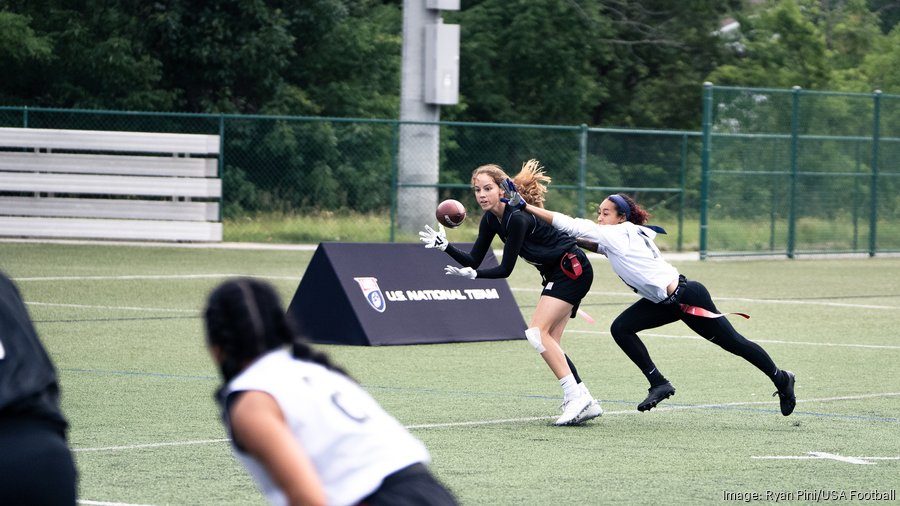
305	431
621	234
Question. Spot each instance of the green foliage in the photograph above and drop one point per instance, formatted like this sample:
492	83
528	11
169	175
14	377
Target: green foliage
18	41
222	56
881	67
20	48
783	49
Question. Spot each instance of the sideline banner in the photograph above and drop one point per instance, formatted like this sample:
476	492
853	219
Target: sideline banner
374	294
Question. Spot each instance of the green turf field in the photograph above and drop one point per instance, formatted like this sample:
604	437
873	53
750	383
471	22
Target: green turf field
123	326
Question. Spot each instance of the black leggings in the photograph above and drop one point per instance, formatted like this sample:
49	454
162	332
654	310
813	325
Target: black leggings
36	465
644	314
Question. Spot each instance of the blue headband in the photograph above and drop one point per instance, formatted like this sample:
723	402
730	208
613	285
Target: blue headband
622	205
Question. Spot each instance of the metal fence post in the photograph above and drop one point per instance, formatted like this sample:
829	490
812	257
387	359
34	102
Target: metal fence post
221	173
704	165
792	204
395	171
582	171
873	214
682	183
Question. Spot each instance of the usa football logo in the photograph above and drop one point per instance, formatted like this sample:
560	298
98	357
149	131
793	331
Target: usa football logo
372	293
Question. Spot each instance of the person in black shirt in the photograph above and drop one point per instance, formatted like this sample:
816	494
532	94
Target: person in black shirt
566	272
36	465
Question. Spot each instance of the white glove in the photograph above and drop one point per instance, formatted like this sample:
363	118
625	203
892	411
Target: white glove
434	239
466	272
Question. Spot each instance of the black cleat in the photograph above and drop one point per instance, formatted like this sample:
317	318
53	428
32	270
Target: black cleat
786	395
655	395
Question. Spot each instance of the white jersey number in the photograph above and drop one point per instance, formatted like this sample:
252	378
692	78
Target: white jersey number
353	412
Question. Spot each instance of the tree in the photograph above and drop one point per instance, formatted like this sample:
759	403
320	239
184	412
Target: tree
225	56
663	52
352	68
781	49
20	48
96	61
530	61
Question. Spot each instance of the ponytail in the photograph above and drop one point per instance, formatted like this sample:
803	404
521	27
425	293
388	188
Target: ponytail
631	210
531	183
245	319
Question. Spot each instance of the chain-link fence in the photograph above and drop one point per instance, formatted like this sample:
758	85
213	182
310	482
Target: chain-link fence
792	172
782	172
307	179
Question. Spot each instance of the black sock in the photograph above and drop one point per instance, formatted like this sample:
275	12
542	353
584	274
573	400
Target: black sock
655	378
574	371
779	378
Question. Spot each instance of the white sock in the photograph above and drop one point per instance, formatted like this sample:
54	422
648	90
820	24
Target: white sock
584	389
571	389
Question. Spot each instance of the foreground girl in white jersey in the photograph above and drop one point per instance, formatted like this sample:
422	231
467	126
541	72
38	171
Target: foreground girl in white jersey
306	432
621	234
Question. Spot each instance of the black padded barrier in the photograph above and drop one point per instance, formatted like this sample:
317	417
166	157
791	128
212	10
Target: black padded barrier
374	294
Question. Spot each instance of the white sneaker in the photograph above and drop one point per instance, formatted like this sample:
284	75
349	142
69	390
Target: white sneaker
584	389
573	408
592	411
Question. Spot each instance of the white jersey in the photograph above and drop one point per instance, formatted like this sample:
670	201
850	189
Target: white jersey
353	443
631	252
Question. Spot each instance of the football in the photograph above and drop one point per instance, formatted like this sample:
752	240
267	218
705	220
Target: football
450	213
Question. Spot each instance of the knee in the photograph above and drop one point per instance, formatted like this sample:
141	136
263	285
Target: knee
533	334
620	329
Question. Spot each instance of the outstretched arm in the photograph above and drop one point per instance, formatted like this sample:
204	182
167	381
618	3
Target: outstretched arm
514	199
541	213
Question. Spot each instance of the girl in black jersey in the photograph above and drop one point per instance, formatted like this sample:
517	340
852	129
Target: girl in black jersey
36	464
566	272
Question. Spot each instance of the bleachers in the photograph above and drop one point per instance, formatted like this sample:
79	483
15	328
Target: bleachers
109	185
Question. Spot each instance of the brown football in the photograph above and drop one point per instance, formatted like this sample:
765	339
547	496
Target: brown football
450	213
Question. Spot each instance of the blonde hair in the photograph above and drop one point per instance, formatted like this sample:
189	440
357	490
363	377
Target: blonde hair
531	182
493	171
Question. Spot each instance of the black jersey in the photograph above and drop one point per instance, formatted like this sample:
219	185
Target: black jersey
523	234
28	382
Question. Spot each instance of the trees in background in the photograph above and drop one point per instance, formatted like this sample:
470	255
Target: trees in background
604	63
610	63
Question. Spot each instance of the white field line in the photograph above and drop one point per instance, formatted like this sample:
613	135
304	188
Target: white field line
190	245
766	341
514	420
105	503
151	277
744	299
225	276
132	278
824	456
123	308
150	445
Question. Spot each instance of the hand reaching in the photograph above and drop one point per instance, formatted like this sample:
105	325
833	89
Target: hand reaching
466	272
434	239
513	198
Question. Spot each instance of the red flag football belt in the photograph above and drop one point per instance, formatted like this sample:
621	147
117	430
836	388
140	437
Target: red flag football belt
705	313
570	265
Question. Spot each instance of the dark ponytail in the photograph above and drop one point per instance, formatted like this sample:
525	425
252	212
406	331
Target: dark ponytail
245	318
631	210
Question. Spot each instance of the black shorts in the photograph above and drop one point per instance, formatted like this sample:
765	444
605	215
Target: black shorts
36	465
411	486
560	286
